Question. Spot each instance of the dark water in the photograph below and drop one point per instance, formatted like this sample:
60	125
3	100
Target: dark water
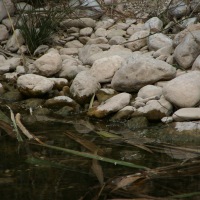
63	176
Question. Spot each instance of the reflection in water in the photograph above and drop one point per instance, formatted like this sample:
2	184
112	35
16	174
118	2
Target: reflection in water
64	176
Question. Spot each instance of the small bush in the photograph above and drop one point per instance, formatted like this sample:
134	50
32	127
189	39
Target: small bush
38	24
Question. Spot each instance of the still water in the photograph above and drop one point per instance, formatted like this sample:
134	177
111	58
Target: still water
31	172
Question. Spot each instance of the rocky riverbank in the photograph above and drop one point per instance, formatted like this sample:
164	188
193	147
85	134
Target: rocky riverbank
107	68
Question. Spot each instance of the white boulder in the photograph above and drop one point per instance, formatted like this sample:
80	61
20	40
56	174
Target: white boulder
33	85
48	64
187	114
138	71
184	90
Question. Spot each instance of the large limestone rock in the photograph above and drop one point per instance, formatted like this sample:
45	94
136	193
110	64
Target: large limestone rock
138	71
111	105
33	85
188	50
87	51
187	114
184	90
104	68
158	41
84	86
48	64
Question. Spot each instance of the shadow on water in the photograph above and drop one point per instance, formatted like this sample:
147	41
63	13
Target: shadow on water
33	172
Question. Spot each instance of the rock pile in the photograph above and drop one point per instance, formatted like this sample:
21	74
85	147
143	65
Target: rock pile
131	68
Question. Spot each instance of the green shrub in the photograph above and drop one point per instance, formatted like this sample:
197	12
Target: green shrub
38	24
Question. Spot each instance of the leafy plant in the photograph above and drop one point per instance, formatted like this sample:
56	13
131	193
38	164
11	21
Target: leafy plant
38	24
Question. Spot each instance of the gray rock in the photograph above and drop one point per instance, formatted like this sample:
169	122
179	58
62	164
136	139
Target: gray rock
9	22
103	69
70	68
138	40
9	6
124	113
195	6
111	105
166	51
184	90
187	114
117	40
154	24
59	83
13	62
86	31
20	69
59	102
179	9
105	93
99	40
87	51
33	85
188	50
138	71
114	50
104	24
48	64
79	23
149	91
181	35
13	45
135	28
42	49
121	26
69	51
83	87
112	32
196	64
3	33
156	109
101	32
158	41
74	44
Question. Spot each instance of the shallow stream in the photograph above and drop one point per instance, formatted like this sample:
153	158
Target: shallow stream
33	172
